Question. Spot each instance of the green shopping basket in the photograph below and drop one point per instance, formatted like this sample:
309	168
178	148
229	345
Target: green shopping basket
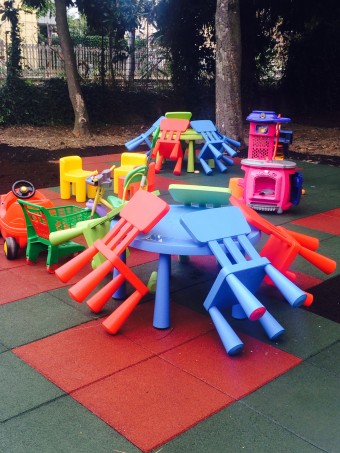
41	221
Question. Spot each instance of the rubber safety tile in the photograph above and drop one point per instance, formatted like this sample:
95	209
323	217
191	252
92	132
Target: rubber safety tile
306	402
206	359
151	402
82	355
328	221
62	425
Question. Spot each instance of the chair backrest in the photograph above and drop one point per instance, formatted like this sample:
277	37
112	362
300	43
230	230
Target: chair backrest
179	115
70	163
208	130
144	210
201	195
171	129
133	159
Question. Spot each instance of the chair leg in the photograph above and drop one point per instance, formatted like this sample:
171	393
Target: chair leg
230	340
159	164
250	304
178	166
272	328
294	295
207	169
65	190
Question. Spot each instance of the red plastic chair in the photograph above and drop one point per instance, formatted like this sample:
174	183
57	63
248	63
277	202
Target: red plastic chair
141	214
283	245
168	146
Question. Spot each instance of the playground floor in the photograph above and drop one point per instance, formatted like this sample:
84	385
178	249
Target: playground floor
68	386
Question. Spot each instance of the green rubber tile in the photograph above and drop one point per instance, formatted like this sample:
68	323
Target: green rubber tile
36	317
306	334
238	428
3	348
22	388
305	401
61	426
328	359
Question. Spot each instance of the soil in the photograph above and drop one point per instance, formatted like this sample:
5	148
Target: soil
31	153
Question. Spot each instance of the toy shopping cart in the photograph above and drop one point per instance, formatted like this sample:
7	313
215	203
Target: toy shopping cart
41	221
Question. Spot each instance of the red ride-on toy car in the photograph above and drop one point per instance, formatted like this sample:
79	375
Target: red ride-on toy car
12	221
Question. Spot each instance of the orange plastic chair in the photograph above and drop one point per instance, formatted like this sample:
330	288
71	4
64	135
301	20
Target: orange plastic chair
283	245
142	212
168	146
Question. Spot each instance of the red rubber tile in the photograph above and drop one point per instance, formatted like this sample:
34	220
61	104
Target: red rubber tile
34	279
327	222
162	183
151	402
138	257
82	355
305	281
50	194
185	326
205	358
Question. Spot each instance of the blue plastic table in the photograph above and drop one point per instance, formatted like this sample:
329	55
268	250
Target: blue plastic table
168	238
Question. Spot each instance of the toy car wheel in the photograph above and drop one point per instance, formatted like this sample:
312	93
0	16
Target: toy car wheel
11	248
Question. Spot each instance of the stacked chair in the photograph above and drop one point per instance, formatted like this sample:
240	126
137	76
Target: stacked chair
168	145
145	138
283	246
215	147
242	272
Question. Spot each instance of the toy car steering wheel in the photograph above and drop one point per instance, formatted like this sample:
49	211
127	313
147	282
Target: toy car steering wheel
23	189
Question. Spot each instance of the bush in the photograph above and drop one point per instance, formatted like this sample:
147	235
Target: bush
48	103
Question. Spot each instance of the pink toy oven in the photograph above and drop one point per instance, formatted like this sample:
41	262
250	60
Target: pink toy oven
262	133
267	184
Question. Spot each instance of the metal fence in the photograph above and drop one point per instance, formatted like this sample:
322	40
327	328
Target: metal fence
148	65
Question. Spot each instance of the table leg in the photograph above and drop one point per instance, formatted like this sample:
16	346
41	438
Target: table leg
121	291
191	157
161	316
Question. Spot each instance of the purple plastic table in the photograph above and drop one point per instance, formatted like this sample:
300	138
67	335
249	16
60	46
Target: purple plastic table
168	238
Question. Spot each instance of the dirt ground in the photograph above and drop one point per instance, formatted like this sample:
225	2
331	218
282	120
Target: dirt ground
30	153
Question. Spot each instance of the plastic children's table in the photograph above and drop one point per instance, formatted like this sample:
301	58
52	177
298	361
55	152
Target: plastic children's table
168	238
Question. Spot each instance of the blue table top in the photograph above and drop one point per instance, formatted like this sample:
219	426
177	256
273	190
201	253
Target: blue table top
169	237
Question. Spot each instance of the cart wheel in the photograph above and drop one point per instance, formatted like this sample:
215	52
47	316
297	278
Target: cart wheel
23	189
51	269
11	248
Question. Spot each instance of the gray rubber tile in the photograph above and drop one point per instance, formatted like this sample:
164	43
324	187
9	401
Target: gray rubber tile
22	388
305	401
36	317
61	426
238	428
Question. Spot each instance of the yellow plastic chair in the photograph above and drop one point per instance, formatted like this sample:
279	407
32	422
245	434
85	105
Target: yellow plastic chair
128	162
179	115
73	179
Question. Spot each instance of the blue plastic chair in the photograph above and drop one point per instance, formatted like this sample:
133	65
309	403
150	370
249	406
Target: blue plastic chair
144	137
243	270
215	146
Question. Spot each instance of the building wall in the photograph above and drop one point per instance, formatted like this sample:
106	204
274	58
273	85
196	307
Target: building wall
27	23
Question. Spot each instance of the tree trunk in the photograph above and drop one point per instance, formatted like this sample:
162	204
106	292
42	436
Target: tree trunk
228	69
81	120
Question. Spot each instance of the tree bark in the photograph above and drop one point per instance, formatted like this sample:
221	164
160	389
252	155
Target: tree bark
228	69
81	119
